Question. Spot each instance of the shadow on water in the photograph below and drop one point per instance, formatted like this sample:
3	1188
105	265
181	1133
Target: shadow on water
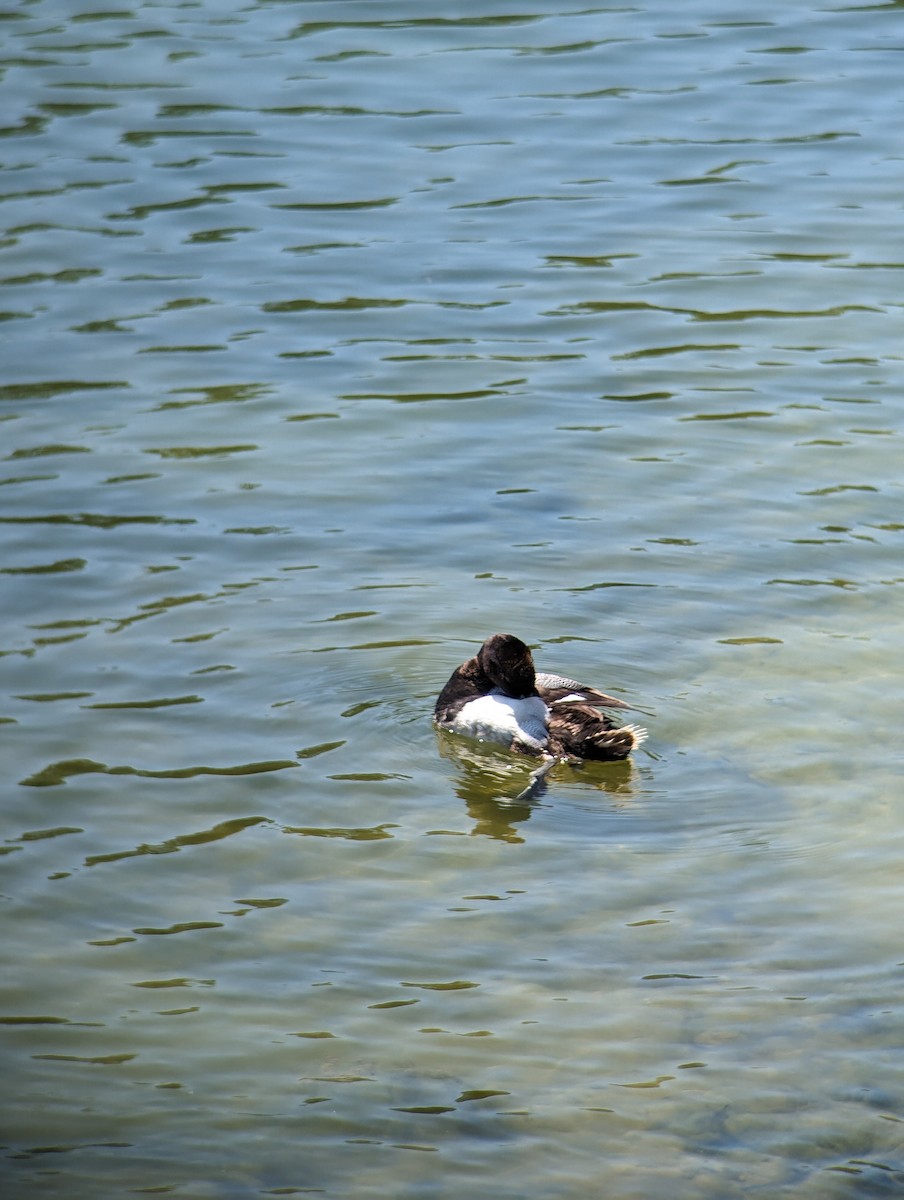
497	787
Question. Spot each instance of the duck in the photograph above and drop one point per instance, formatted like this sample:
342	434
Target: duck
499	696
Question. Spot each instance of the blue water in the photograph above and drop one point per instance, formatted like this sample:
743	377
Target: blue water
335	338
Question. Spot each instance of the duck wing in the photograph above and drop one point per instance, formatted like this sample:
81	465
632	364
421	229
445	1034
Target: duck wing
559	690
579	731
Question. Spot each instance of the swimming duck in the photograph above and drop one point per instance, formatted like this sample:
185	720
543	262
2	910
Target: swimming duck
498	696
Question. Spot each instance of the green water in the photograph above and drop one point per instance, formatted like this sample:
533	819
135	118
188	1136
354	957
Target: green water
337	336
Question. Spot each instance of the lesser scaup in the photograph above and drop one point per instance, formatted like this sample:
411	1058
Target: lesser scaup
499	697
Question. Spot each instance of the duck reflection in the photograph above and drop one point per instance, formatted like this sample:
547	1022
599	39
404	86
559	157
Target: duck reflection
500	793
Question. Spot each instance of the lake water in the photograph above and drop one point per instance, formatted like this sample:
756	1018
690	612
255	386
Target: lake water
337	336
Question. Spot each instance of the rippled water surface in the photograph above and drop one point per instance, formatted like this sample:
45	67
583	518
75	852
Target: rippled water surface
335	337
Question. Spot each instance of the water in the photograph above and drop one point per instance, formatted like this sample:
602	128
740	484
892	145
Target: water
336	337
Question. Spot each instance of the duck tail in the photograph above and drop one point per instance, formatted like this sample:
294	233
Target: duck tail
613	744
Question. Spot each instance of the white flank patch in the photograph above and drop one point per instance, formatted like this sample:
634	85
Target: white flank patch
499	718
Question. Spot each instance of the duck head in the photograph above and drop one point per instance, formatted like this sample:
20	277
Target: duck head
509	665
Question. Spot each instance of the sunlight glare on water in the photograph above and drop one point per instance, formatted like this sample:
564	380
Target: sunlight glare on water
337	337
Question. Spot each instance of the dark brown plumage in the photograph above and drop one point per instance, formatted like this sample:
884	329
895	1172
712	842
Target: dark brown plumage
579	731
